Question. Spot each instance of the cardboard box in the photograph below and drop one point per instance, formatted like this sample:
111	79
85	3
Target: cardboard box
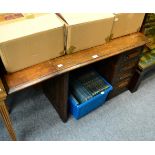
28	39
126	23
86	30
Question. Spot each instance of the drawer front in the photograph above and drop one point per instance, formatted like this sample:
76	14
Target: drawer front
129	56
121	67
116	74
122	84
122	76
125	75
128	61
125	67
135	53
128	66
119	88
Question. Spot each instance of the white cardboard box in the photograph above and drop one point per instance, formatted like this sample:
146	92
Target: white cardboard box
30	40
126	23
86	30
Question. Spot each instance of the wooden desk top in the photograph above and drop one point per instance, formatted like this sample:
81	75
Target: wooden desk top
43	71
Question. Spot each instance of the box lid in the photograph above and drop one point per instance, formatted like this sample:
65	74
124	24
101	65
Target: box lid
77	18
27	26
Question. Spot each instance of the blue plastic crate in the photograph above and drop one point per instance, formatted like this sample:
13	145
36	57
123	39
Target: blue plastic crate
80	110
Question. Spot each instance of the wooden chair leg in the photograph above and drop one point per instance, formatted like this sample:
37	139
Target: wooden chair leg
7	121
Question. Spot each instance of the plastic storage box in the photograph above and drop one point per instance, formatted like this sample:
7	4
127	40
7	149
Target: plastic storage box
80	110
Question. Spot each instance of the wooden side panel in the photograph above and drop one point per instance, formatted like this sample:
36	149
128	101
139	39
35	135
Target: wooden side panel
56	90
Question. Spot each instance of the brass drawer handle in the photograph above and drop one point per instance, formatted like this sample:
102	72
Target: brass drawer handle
132	55
125	76
127	67
124	84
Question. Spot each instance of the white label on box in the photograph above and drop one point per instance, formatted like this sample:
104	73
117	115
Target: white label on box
102	92
95	56
116	19
60	65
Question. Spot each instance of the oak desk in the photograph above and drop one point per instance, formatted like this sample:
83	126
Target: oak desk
55	72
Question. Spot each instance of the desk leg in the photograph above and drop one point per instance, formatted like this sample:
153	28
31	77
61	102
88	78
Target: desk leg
6	119
56	90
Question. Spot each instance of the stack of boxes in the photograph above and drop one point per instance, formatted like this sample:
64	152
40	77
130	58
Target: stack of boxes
28	39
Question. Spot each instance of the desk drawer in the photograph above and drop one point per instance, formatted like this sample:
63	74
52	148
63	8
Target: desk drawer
122	84
123	66
128	57
135	53
123	69
114	73
120	67
126	62
119	88
123	75
128	66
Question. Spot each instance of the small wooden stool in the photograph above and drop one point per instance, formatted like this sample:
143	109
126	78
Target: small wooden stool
4	112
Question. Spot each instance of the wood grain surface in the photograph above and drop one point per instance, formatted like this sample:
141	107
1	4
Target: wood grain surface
43	71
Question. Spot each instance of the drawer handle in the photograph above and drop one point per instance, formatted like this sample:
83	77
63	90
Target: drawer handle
130	56
127	67
125	76
123	84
